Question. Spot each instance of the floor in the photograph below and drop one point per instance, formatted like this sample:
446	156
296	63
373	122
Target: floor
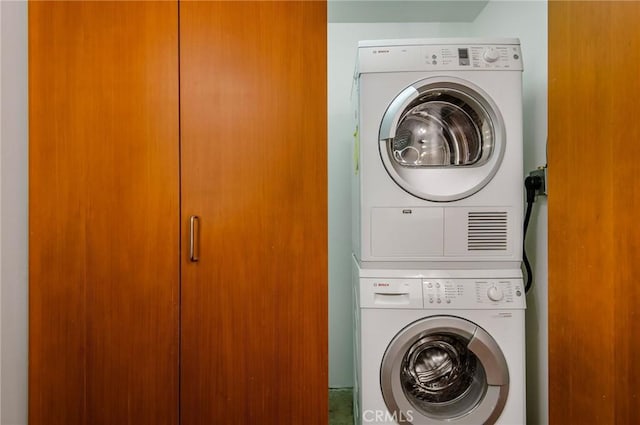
340	406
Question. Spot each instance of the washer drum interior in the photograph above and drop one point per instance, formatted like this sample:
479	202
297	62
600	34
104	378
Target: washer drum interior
444	369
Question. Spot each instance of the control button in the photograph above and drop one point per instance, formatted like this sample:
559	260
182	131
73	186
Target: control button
518	293
435	62
429	285
495	294
516	57
439	300
448	301
491	55
431	300
434	57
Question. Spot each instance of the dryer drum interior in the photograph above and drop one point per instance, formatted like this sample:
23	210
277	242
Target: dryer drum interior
442	139
443	128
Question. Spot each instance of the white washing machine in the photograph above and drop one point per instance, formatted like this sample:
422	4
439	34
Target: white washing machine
438	172
439	347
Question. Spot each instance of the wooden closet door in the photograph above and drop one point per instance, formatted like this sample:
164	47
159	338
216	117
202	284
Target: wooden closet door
253	141
594	197
104	213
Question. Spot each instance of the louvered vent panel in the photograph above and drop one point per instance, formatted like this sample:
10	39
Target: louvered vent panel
487	231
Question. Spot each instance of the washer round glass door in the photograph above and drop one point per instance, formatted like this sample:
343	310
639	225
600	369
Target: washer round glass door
444	369
442	139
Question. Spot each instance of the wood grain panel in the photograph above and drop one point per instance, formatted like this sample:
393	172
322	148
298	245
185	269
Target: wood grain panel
104	213
253	137
594	195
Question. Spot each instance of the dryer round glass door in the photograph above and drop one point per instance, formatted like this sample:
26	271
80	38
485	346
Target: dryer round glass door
442	139
444	369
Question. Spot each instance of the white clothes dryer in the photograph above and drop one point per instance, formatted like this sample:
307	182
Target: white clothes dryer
438	170
439	347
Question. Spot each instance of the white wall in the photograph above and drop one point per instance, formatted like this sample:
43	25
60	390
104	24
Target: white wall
13	214
525	20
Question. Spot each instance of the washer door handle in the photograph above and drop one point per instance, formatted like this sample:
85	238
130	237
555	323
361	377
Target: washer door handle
386	298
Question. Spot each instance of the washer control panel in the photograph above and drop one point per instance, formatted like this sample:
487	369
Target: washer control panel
440	291
497	291
473	293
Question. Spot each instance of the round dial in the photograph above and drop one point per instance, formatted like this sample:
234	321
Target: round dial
491	55
494	293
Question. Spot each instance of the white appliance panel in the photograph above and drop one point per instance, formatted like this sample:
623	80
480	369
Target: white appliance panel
491	300
374	189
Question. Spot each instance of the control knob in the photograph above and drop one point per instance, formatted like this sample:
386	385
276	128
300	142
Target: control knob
495	294
491	55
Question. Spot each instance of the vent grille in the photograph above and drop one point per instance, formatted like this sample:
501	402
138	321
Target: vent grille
487	231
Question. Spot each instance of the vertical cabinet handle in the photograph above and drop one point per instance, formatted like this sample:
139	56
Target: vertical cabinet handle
194	230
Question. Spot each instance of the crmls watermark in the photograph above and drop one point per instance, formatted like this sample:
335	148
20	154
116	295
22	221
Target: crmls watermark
380	416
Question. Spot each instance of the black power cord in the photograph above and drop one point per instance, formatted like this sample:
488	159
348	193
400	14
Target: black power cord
531	184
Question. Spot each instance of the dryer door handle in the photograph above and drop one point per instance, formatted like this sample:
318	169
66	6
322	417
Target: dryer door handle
392	114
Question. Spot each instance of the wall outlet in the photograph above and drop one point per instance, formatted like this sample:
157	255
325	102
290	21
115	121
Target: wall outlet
542	173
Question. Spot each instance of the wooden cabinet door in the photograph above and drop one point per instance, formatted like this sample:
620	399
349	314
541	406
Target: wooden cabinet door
253	166
103	213
594	195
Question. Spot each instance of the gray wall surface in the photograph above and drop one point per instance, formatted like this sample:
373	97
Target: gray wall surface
14	214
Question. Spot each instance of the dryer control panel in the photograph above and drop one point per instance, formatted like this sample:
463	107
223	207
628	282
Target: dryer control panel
470	56
433	57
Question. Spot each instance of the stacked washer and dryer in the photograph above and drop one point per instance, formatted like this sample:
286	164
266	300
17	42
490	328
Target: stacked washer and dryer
437	214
